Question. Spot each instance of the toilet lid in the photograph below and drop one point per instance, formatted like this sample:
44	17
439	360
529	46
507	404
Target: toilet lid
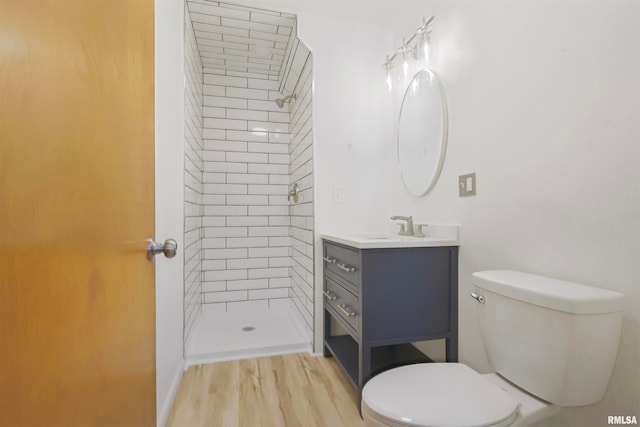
438	394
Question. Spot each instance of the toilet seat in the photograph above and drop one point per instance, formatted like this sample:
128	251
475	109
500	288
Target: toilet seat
437	395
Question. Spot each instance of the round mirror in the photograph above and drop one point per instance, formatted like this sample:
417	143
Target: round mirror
422	133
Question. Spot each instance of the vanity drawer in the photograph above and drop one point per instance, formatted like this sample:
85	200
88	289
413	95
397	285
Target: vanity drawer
342	302
344	262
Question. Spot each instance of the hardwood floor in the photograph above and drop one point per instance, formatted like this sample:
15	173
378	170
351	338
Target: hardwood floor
280	391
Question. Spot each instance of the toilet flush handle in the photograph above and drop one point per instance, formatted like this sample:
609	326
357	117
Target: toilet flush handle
477	297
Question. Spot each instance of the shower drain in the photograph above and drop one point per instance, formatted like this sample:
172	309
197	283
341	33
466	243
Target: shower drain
248	328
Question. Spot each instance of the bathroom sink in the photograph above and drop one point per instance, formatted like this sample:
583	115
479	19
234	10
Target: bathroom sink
437	235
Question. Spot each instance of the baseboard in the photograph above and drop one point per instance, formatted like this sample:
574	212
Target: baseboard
168	403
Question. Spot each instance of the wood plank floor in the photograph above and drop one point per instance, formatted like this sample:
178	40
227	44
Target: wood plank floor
280	391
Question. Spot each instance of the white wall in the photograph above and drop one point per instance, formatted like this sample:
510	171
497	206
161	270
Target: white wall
544	107
169	197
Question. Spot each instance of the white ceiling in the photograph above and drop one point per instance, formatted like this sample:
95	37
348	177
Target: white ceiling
240	38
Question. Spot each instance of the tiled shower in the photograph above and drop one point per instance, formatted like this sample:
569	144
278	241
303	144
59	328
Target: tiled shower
248	248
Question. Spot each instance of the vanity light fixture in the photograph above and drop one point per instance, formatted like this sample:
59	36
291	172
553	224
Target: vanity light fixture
417	44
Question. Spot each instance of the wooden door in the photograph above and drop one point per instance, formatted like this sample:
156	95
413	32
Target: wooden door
77	298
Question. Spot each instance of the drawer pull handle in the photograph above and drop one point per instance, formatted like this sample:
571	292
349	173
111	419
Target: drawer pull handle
343	308
329	295
343	267
329	260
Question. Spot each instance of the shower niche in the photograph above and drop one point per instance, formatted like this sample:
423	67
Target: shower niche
248	139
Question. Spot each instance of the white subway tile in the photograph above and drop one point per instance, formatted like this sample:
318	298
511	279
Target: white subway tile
269	126
211	297
279	220
268	168
221	145
279	241
214	264
246	114
279	179
267	210
262	84
224	102
249	25
279	262
279	282
225	253
247	157
268	189
212	243
209	199
244	200
247	178
225	167
261	273
216	112
262	105
212	90
247	263
279	158
279	138
279	200
214	286
268	252
268	231
214	177
247	93
248	221
225	210
217	275
237	135
241	285
258	147
213	156
213	133
225	188
268	293
212	79
278	117
225	232
225	124
247	242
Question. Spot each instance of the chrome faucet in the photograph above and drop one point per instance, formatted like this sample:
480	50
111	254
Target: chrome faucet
409	219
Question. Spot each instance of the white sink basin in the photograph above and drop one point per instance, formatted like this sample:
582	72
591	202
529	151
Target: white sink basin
437	235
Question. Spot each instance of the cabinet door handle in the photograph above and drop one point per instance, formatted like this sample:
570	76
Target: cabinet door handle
329	295
346	268
329	260
343	308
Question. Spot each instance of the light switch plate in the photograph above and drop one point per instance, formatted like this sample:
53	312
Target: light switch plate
467	185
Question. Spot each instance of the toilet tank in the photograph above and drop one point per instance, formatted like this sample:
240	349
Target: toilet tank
555	339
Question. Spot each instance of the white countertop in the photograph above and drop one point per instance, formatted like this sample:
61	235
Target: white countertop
437	235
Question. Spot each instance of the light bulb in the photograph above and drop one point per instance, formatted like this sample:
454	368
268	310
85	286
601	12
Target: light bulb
405	63
425	45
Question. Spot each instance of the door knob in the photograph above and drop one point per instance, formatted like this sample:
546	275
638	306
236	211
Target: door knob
168	248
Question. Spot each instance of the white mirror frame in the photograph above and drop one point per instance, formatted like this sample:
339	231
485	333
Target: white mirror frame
443	143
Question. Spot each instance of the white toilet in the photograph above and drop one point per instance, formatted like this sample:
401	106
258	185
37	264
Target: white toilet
552	343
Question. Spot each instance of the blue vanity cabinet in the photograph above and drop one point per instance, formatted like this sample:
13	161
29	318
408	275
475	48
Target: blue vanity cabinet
385	299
